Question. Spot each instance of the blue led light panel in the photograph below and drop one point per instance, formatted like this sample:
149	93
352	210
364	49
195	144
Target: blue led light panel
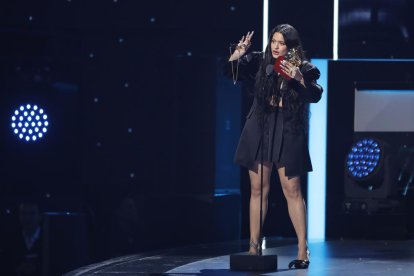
363	158
29	123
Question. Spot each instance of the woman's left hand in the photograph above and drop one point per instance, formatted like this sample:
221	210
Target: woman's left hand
291	70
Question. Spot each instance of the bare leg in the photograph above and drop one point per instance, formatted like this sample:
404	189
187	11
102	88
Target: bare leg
297	209
255	174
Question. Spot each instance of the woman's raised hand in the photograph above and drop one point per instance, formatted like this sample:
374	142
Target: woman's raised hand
242	46
244	43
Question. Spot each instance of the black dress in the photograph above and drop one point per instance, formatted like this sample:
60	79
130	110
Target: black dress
284	141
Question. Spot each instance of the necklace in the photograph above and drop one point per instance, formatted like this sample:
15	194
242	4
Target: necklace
232	69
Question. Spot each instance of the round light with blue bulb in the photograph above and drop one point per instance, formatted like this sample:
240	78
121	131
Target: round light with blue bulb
29	123
363	158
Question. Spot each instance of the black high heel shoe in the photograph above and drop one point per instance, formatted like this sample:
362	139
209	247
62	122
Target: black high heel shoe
300	264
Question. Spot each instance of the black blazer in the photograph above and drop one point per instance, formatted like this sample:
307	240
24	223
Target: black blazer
295	145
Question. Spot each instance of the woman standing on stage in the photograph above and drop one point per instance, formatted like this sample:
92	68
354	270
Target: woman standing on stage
275	133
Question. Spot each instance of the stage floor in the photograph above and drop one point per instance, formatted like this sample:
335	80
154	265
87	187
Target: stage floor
336	258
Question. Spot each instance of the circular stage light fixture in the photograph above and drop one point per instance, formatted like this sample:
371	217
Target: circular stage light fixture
371	176
364	159
29	123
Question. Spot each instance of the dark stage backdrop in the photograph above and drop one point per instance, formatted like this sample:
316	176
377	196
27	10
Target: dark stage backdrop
41	68
132	78
130	90
313	20
376	29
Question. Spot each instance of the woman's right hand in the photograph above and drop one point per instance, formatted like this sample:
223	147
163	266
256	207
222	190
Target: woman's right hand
242	46
244	43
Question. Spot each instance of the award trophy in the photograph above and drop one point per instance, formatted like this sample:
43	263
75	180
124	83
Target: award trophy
292	56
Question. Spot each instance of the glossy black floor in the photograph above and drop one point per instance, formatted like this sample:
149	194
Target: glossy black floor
337	258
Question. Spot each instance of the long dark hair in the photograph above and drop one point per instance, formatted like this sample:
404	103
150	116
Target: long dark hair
266	88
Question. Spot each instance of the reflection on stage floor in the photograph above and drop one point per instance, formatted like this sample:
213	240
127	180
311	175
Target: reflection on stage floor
339	258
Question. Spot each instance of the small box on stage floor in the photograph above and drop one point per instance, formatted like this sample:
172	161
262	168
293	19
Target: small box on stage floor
245	261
